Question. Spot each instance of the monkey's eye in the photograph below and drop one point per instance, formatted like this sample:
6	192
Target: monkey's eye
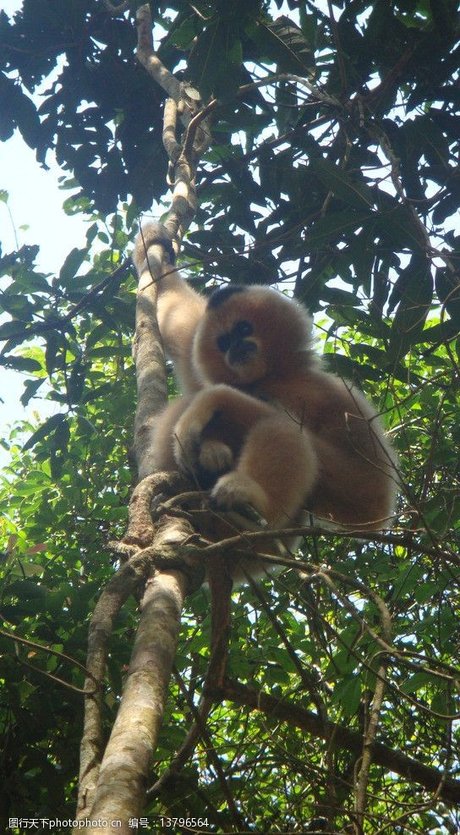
239	331
242	329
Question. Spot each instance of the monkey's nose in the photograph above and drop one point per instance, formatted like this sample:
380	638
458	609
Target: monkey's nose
241	351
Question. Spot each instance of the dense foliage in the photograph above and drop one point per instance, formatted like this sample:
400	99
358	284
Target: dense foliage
337	180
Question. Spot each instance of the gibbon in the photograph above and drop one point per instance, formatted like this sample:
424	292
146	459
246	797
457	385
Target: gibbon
260	422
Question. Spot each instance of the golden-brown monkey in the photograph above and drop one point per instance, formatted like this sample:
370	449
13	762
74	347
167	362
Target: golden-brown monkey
260	422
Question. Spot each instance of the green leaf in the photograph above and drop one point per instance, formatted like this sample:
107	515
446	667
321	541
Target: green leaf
18	306
336	226
71	265
216	60
448	289
30	389
51	425
184	34
416	682
23	364
414	288
350	189
347	694
12	329
284	43
51	352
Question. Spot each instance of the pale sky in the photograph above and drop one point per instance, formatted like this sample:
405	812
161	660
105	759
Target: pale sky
37	218
35	202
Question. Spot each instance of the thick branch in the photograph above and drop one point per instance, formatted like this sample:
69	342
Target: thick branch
152	388
114	788
109	604
123	774
220	584
186	98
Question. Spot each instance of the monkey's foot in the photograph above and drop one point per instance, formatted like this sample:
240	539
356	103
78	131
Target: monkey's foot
236	491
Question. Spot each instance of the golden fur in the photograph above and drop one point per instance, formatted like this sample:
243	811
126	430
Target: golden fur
260	422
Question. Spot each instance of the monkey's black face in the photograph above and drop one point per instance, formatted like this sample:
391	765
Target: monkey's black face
229	344
248	333
236	345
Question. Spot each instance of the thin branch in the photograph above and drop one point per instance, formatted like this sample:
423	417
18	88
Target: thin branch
147	57
213	759
62	656
340	737
370	733
60	322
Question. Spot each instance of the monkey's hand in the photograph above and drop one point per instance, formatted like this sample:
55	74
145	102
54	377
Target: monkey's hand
204	458
153	234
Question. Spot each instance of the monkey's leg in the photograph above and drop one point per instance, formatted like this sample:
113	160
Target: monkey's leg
161	452
354	490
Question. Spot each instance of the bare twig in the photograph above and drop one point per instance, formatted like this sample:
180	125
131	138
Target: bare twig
62	656
370	732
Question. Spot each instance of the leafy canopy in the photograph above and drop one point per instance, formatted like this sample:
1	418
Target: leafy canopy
332	172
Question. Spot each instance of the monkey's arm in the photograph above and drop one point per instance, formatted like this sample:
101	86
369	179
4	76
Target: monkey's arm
179	307
251	446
